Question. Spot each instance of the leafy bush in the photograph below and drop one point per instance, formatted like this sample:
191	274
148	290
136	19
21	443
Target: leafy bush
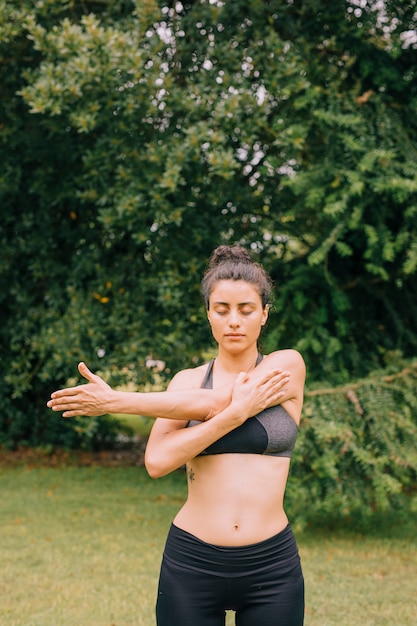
38	426
129	151
357	450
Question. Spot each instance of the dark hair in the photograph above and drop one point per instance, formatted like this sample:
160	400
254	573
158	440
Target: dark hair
235	263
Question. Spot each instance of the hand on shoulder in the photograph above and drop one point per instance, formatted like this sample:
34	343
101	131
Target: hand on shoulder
291	361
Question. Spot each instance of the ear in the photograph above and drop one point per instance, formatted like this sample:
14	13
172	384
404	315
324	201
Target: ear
265	313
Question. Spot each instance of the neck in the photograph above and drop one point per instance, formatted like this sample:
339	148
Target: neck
236	363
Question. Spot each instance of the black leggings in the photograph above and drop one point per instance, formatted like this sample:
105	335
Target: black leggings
262	582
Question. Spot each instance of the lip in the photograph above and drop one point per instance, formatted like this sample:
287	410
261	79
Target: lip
234	335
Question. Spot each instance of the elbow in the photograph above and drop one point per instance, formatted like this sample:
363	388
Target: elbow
154	472
155	467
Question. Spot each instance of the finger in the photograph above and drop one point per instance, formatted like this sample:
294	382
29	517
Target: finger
283	380
86	373
63	406
279	395
71	414
270	375
70	391
273	377
281	373
274	399
280	378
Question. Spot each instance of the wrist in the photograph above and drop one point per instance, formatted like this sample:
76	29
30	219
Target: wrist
234	415
125	402
113	401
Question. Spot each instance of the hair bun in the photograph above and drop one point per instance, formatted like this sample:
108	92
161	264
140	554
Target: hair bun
234	254
235	263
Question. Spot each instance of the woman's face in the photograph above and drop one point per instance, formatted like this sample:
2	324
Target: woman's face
236	314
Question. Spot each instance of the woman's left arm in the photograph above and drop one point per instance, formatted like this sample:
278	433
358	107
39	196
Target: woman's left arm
292	362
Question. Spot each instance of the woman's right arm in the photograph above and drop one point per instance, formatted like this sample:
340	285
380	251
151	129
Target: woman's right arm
186	401
98	398
171	444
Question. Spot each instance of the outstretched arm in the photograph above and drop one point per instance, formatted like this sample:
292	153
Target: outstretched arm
98	398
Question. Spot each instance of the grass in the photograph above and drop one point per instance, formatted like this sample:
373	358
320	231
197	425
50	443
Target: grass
81	546
139	424
360	581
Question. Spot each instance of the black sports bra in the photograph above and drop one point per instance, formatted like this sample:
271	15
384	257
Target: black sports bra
272	432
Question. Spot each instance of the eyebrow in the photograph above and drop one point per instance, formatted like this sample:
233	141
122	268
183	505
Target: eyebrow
239	303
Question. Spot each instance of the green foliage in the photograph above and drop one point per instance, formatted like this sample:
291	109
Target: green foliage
356	457
137	136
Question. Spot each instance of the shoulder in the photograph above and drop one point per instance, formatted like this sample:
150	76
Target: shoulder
190	378
287	359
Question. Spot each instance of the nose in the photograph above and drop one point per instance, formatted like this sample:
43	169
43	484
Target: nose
234	320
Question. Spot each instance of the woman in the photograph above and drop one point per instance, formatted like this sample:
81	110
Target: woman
230	546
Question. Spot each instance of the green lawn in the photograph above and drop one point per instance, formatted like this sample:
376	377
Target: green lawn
139	424
81	546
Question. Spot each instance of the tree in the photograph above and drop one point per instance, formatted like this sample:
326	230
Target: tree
137	136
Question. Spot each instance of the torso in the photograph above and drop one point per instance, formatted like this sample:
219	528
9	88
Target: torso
234	498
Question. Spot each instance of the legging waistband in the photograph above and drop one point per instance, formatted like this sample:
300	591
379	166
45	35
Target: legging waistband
184	549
